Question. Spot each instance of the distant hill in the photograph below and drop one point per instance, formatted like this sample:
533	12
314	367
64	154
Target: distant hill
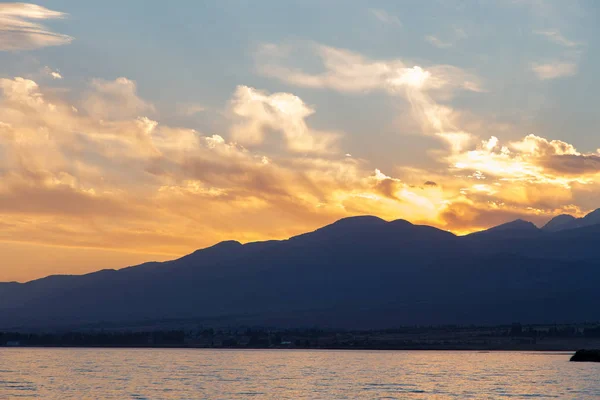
564	222
559	223
360	272
517	228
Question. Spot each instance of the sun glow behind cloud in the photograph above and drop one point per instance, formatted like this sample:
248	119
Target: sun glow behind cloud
147	183
529	167
100	167
165	187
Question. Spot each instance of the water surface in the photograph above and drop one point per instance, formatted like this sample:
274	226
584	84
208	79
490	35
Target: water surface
291	374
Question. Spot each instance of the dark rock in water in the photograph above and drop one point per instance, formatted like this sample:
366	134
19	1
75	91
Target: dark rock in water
586	355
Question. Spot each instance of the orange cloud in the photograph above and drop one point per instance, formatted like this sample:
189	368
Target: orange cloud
121	180
102	174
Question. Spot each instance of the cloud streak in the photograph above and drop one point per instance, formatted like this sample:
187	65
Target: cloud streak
347	71
20	31
556	37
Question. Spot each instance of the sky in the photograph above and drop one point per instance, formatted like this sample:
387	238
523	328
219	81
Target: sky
143	130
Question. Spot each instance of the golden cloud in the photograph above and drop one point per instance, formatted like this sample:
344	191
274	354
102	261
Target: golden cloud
110	177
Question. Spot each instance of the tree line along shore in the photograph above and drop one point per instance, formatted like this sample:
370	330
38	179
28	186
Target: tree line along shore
506	337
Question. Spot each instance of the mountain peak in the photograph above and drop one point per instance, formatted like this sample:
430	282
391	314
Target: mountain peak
358	272
399	222
564	221
344	226
361	221
559	222
516	228
518	224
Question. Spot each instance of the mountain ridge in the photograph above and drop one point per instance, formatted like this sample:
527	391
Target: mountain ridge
515	225
399	272
566	221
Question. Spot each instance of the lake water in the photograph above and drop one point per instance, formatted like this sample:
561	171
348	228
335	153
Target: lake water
291	374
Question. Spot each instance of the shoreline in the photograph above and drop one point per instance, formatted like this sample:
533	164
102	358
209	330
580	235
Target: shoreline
540	349
567	338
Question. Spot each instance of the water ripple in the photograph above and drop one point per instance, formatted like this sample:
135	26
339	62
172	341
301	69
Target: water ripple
176	374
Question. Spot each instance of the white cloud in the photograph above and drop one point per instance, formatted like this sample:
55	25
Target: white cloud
53	74
385	17
18	32
23	91
554	70
280	112
539	146
348	71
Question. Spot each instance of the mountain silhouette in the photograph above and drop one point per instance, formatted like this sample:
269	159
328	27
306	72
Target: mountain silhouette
559	223
518	228
563	222
359	272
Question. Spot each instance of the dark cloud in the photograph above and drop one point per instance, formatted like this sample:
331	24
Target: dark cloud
572	164
388	188
27	198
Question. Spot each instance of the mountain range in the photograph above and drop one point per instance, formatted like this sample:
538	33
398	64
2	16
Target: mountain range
359	272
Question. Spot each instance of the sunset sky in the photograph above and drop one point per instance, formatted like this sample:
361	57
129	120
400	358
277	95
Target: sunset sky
138	130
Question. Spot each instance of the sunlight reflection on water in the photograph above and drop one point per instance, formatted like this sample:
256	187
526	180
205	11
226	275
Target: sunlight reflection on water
289	374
